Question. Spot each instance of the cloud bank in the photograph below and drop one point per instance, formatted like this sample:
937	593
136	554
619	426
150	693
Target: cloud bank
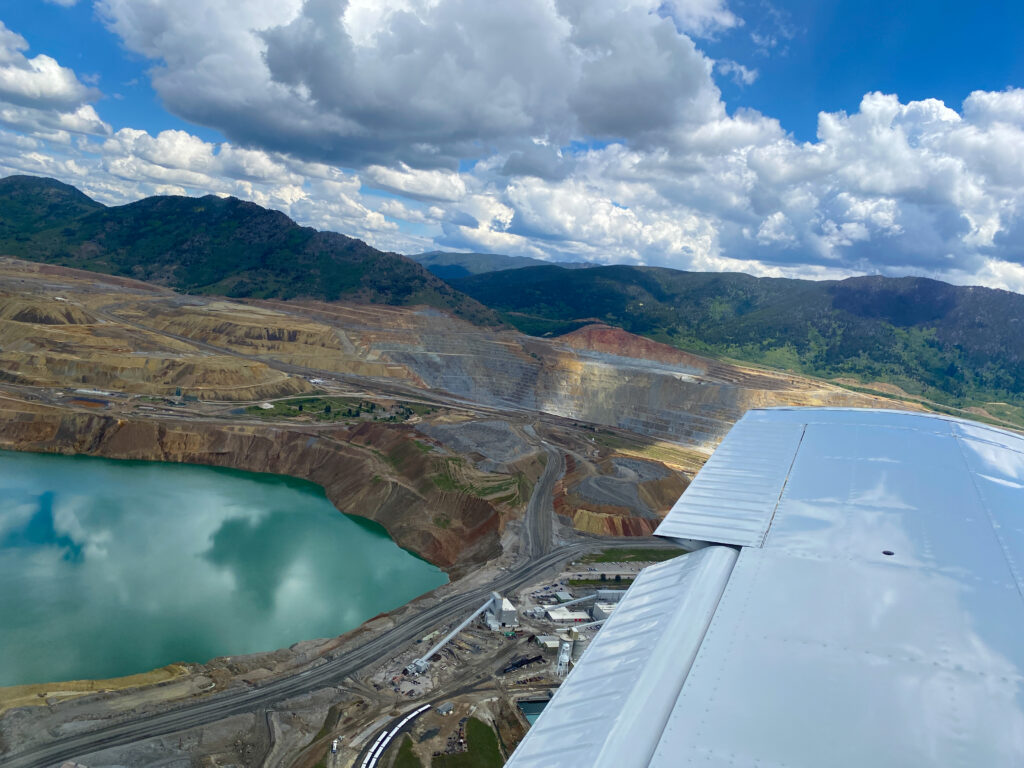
554	128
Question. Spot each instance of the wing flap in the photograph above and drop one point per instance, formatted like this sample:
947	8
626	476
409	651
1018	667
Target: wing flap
733	498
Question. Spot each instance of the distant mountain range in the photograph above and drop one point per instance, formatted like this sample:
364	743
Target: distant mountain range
212	245
449	265
962	345
958	345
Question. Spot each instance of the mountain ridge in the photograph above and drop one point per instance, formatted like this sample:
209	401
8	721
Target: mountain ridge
212	245
452	265
950	344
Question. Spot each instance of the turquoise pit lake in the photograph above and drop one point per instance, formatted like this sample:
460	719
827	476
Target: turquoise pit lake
110	568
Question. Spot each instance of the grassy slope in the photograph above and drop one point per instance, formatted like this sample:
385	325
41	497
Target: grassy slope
406	758
631	556
483	749
952	344
212	245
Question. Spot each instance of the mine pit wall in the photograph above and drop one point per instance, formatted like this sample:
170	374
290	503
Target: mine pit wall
668	406
644	402
634	394
355	480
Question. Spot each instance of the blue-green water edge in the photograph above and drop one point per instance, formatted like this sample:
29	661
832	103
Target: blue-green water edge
531	710
111	567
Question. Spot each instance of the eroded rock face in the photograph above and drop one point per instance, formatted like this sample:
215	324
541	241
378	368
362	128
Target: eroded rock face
494	439
365	472
597	374
622	488
51	343
610	524
617	496
614	341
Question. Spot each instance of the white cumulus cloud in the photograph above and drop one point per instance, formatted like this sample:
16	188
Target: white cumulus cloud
40	97
740	74
38	82
425	82
429	184
556	128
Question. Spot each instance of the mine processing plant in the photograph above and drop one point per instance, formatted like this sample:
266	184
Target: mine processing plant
501	612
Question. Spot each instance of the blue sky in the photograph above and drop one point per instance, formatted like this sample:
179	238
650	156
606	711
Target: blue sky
816	56
77	38
829	54
777	138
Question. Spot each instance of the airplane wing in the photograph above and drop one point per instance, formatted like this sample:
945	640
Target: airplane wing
859	602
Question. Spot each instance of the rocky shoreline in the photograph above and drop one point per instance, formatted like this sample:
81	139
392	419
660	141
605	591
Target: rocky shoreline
351	465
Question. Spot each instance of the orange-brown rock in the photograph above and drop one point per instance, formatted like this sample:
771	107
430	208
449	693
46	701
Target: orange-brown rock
605	524
615	341
364	476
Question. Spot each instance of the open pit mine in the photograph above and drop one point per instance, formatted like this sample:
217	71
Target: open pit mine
532	471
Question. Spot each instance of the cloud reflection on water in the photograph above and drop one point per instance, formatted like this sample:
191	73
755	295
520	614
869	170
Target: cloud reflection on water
111	568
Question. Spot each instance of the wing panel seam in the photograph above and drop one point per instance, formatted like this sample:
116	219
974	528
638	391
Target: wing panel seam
782	491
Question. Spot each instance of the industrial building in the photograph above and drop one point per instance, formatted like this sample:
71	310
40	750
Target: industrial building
563	614
501	614
548	642
508	614
602	610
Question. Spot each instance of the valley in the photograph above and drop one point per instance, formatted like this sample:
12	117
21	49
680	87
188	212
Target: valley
114	367
497	456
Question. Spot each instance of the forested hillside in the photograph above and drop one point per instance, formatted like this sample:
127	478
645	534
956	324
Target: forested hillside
211	245
953	344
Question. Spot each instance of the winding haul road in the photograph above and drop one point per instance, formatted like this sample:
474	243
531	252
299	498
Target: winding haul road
538	526
541	556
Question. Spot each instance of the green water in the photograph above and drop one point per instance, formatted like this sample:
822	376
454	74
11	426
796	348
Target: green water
114	567
531	710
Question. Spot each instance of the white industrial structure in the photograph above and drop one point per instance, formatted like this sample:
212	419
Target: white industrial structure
499	612
562	614
378	747
569	602
564	654
857	598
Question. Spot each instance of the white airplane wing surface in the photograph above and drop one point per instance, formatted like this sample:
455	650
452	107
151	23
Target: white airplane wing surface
860	603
